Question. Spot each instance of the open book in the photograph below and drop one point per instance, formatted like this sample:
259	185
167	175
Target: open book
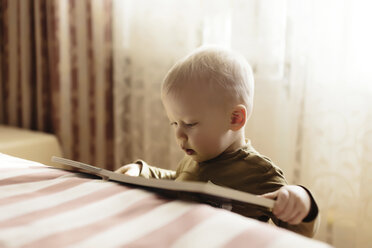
205	192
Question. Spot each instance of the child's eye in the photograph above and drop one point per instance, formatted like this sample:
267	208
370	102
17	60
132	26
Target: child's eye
174	124
191	124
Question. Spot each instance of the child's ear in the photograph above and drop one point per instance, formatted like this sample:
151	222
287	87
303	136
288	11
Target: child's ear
238	117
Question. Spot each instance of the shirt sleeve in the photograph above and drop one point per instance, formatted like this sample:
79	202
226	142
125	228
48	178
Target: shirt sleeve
148	171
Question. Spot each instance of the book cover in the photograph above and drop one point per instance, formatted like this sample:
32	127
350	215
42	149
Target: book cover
212	194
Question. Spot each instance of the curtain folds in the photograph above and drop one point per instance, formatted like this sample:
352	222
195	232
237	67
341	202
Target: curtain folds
57	73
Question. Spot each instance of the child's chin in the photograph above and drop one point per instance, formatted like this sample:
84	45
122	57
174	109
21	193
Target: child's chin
199	159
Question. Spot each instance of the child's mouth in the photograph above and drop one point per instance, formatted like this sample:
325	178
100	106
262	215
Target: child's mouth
189	151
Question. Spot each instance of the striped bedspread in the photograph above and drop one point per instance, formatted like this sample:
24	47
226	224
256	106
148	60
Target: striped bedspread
45	207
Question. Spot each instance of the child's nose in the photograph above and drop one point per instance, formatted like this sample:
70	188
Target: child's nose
180	134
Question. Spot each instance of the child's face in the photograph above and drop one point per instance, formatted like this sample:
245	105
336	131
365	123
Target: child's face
201	123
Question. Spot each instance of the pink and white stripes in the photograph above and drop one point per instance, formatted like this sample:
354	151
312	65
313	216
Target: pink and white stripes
45	207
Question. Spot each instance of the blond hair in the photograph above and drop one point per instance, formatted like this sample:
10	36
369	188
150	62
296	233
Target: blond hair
217	68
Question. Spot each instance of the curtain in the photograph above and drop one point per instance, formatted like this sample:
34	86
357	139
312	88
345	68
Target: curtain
90	72
147	43
333	40
312	110
56	64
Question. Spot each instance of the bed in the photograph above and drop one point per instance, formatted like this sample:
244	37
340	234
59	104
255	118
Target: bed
42	206
29	144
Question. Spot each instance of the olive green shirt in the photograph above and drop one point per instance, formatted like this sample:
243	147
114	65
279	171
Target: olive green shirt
245	170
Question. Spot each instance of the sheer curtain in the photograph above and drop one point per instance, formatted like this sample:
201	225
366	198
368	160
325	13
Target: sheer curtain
334	39
313	102
148	39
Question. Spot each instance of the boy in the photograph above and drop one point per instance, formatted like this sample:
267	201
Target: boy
208	97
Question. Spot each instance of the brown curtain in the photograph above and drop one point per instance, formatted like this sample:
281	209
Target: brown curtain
56	73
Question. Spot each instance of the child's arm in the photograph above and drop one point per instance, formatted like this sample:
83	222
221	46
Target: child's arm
295	209
141	168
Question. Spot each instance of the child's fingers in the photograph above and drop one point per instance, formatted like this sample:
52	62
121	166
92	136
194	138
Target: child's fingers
271	195
122	170
134	172
292	204
290	210
294	214
281	202
296	219
129	170
281	196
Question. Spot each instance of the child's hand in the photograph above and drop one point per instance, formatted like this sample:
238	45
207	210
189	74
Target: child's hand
130	170
292	203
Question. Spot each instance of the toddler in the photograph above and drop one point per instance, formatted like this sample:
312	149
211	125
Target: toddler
208	98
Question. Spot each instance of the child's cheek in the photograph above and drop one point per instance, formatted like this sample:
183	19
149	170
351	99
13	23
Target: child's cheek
199	139
204	140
